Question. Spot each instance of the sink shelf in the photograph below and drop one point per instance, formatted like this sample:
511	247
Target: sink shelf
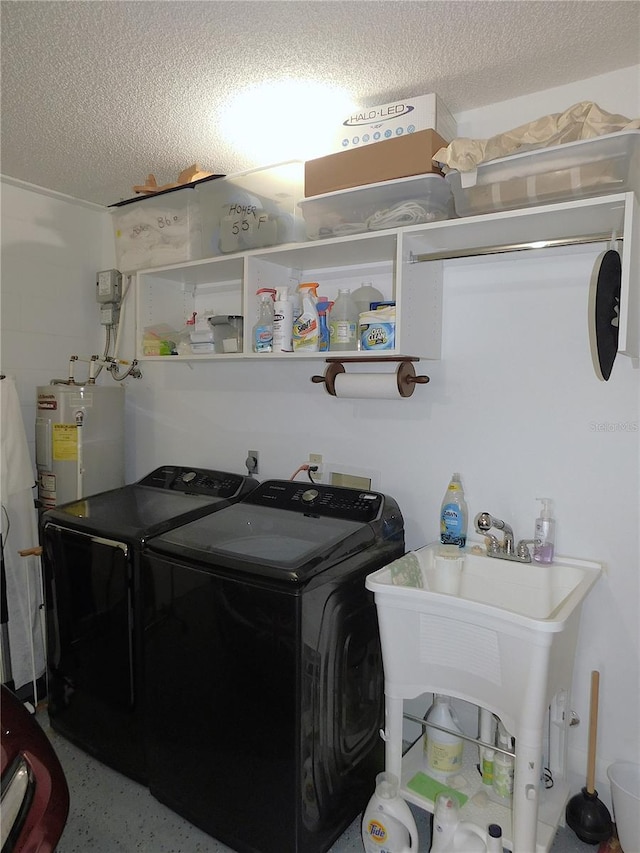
551	804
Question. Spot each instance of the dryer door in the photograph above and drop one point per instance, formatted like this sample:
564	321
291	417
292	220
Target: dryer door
92	649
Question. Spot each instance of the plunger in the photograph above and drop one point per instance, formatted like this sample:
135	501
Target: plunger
586	814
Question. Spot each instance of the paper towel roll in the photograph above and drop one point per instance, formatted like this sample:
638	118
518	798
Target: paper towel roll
373	386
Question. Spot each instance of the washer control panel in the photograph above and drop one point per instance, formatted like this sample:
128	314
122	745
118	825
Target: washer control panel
318	499
198	481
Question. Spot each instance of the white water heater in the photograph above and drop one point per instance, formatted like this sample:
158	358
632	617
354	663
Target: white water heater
79	441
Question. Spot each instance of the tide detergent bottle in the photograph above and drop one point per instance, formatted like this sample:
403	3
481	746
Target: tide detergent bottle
388	825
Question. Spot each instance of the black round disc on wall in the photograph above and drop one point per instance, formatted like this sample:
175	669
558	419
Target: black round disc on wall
604	310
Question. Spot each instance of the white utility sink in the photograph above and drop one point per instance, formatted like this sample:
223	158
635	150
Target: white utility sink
499	634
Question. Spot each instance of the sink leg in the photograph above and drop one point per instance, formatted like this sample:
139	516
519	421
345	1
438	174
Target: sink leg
526	785
393	735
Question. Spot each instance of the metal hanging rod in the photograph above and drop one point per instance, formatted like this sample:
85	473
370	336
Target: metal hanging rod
449	254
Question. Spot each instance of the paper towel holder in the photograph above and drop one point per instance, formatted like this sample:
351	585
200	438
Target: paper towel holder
406	377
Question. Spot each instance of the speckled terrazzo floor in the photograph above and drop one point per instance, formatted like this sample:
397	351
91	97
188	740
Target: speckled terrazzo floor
111	814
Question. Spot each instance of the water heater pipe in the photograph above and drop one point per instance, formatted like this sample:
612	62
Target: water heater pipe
80	460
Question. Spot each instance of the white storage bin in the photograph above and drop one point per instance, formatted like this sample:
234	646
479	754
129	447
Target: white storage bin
252	210
590	167
389	204
156	230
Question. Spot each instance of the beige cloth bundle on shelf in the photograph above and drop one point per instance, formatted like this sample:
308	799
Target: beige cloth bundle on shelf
584	120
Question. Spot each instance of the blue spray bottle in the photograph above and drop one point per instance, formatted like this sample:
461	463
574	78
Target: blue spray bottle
323	307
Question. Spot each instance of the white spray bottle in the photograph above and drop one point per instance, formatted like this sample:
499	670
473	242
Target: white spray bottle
450	834
388	825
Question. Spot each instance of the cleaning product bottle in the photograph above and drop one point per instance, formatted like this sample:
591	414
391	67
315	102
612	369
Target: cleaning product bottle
453	515
445	822
388	825
323	306
308	288
306	326
494	838
487	735
364	295
296	301
282	321
262	336
450	834
503	765
442	750
545	533
343	323
184	338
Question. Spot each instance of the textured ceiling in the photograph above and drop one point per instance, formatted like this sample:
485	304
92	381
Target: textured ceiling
95	95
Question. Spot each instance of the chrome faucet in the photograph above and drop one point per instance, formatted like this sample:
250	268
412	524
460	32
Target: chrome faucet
504	550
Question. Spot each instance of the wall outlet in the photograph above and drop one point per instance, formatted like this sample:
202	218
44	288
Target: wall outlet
316	459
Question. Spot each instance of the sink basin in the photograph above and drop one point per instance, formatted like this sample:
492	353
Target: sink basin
498	633
532	591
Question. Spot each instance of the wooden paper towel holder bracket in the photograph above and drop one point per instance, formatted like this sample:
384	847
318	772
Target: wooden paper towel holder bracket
406	376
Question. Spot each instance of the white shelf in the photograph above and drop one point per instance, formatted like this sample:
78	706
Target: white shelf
229	283
483	806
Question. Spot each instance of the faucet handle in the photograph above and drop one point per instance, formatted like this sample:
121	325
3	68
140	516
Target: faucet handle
522	549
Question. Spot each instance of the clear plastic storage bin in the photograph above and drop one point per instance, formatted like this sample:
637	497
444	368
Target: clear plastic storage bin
156	230
389	204
252	210
590	167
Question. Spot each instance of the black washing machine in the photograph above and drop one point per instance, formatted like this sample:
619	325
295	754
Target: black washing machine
91	557
263	664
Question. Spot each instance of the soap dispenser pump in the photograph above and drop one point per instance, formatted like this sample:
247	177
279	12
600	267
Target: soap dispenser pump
545	533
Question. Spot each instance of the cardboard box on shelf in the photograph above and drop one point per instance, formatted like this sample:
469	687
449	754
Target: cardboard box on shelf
367	125
401	157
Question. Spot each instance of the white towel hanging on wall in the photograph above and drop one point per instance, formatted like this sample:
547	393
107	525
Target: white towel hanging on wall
20	531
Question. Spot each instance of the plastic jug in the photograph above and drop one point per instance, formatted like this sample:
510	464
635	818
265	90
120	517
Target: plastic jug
388	825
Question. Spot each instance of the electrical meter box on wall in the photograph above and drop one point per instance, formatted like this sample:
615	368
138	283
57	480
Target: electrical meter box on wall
252	210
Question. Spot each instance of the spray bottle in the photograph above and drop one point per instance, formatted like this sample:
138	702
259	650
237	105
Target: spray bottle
388	825
323	307
184	340
451	835
545	533
306	326
262	336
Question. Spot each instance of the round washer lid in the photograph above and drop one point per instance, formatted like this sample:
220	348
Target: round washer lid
604	309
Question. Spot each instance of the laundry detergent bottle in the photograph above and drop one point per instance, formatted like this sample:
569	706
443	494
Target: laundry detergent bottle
388	825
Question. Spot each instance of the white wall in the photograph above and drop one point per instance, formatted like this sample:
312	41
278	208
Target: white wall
513	404
52	247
